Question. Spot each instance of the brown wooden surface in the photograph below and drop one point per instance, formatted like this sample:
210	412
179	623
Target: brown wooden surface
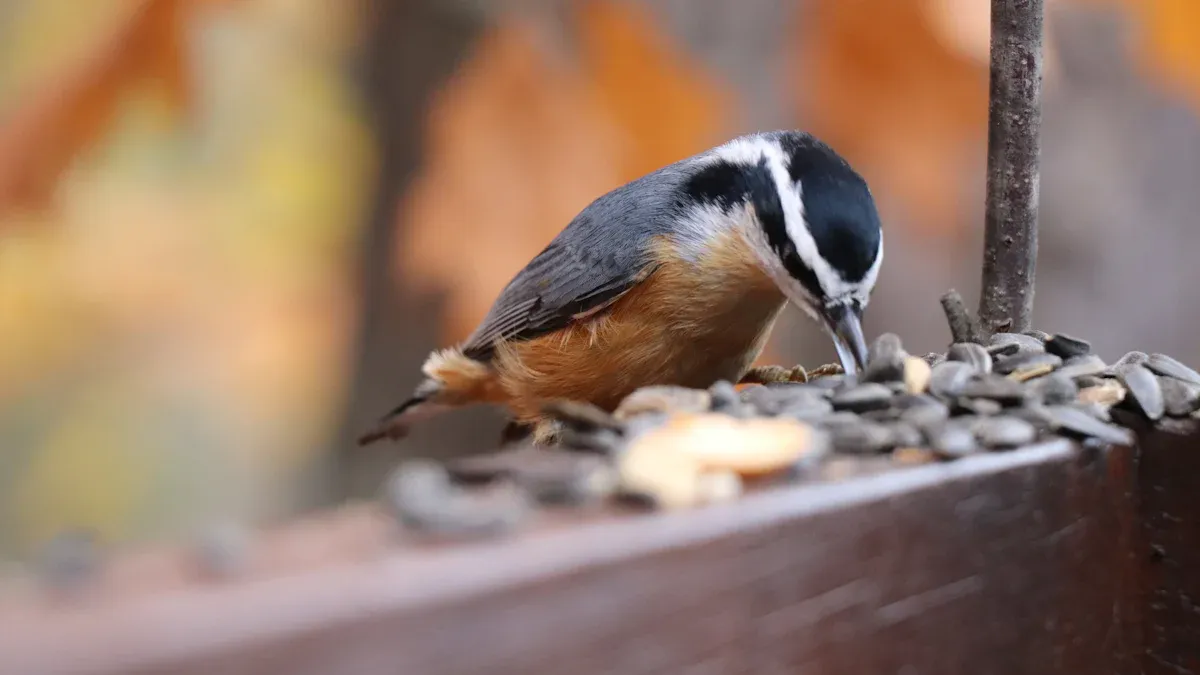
1053	559
1167	552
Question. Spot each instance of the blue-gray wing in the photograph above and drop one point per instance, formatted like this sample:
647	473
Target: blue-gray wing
604	252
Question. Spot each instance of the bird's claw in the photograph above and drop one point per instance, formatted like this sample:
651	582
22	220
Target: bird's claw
826	370
771	374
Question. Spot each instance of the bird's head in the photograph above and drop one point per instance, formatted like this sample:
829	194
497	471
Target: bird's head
815	229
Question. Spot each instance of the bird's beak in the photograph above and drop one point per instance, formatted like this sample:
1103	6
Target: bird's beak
844	323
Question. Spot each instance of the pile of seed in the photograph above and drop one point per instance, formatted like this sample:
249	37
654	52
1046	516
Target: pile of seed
673	447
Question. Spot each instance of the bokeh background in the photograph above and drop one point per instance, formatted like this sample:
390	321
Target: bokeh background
230	230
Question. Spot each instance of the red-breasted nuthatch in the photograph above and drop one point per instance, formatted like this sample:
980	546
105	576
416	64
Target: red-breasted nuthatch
674	278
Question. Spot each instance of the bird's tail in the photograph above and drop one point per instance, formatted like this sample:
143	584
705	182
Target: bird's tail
451	380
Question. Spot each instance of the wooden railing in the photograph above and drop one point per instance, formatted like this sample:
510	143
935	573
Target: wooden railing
1051	559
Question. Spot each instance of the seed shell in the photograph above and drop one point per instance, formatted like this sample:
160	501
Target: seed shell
1144	390
1169	367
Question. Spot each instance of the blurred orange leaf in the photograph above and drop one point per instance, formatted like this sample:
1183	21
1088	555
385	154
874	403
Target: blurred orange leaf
896	98
1170	41
664	102
68	113
519	142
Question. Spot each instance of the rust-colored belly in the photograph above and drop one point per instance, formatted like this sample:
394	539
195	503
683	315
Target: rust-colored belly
679	327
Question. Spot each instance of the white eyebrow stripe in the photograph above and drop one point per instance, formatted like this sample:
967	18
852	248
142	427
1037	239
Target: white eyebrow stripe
748	151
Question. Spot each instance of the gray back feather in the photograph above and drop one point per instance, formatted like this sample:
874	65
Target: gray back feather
602	252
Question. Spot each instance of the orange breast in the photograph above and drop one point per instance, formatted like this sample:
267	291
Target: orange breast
690	323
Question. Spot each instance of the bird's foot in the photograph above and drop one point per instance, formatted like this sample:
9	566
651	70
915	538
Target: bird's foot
825	370
546	432
771	374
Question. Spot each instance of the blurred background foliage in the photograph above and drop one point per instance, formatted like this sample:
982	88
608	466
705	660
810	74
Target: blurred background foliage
231	229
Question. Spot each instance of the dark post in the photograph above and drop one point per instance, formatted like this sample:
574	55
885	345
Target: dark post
1014	123
411	48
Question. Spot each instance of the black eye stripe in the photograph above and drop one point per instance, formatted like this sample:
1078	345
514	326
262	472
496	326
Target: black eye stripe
765	198
727	184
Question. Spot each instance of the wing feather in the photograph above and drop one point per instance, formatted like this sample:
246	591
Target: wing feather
558	288
601	254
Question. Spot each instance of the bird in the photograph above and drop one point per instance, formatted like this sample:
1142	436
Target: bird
674	278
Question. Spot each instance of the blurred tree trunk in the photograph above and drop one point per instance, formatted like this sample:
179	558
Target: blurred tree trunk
411	48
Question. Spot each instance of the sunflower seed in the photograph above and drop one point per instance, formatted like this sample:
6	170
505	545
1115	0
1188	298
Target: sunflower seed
949	378
977	406
997	388
1107	393
605	442
862	437
1036	414
952	441
1024	361
887	347
658	475
1165	365
724	396
580	415
1067	346
840	417
663	398
809	409
912	456
917	374
1078	422
1179	398
772	400
905	435
885	359
925	414
564	478
888	414
1143	388
870	396
905	402
970	353
1080	366
1055	389
421	497
1096	410
1027	373
805	389
837	469
1003	349
1039	335
1004	432
648	422
1024	342
1128	359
